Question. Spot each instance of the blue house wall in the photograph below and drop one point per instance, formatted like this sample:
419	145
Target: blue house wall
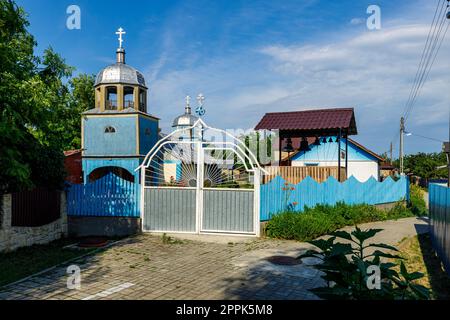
148	134
121	143
134	136
329	152
130	165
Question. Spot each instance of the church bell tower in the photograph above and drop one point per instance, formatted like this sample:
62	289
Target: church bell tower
119	131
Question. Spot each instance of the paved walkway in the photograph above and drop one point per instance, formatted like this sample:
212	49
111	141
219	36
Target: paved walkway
143	267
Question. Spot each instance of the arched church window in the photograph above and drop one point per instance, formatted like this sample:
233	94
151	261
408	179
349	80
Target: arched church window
128	97
111	98
110	129
142	101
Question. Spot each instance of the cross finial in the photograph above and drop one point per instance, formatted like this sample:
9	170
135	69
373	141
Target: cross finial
188	101
201	99
188	105
120	32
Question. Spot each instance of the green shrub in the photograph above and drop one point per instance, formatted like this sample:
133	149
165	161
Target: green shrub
345	269
417	201
312	223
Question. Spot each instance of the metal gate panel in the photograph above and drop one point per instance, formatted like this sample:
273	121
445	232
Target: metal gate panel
169	210
228	211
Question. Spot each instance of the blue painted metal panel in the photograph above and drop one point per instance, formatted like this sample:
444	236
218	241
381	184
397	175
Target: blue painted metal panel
329	152
130	165
439	202
109	196
121	143
275	198
148	134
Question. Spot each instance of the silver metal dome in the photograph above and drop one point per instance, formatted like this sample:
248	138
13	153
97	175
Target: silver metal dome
120	73
185	120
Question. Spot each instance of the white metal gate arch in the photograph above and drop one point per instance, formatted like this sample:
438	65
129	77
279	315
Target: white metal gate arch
192	184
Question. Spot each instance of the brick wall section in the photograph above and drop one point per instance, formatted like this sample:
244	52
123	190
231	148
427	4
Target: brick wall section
72	163
12	238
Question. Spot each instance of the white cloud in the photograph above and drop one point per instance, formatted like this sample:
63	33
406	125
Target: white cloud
371	71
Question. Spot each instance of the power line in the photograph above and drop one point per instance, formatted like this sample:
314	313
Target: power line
425	137
430	62
428	57
430	35
430	45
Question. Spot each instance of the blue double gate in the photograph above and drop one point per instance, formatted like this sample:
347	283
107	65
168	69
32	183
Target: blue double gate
277	195
110	196
439	202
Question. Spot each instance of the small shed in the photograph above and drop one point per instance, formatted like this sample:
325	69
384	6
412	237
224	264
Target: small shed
318	124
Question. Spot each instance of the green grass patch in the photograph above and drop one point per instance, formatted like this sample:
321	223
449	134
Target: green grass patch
312	223
24	262
419	255
417	201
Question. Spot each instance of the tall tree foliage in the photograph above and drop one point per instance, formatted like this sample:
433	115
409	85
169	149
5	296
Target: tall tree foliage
425	165
40	110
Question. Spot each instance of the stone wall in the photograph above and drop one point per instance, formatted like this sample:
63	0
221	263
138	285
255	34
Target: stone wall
12	238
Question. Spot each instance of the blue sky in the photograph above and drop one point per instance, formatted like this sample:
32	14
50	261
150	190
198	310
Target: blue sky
252	57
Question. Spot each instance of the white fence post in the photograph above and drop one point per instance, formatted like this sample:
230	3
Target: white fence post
256	205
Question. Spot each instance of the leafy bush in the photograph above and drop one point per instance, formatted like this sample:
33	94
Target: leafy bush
324	219
417	201
348	269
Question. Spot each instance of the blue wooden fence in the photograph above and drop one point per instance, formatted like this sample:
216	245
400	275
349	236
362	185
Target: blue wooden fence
109	196
311	193
439	201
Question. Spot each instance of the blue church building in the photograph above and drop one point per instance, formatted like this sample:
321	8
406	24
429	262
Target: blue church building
119	131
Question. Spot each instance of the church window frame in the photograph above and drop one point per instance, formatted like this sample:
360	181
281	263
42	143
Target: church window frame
110	130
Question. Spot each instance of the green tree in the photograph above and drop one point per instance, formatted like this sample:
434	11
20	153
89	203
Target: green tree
425	165
82	98
40	106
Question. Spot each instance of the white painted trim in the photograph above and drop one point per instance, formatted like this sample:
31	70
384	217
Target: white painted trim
229	189
173	188
243	154
256	203
201	124
228	233
167	231
142	204
212	233
199	193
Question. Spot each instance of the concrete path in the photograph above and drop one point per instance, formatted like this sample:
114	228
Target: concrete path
143	267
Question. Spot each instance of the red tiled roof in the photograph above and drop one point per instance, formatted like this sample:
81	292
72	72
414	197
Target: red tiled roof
319	119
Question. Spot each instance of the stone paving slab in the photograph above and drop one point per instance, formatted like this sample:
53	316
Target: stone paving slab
143	267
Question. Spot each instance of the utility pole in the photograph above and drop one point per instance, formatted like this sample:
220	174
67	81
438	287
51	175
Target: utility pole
402	131
390	154
446	146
